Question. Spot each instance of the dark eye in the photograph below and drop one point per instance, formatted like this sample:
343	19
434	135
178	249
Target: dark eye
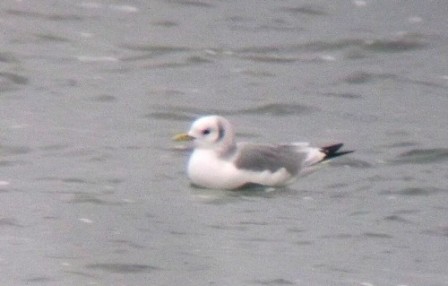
205	131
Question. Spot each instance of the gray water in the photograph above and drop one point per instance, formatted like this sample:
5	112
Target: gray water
93	191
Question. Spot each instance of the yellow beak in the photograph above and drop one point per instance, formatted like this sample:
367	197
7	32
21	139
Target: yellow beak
182	137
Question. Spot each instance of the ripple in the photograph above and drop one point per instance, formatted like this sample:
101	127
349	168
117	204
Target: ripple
333	45
272	58
254	223
177	63
227	227
74	180
346	95
165	23
423	83
39	279
420	191
127	243
401	43
7	57
311	10
261	50
87	198
54	147
314	51
9	222
156	49
414	191
196	3
303	242
121	267
14	78
49	16
396	218
342	236
278	54
10	163
10	81
95	59
278	109
441	231
406	212
422	156
279	281
52	38
198	60
377	235
104	98
273	109
359	77
15	150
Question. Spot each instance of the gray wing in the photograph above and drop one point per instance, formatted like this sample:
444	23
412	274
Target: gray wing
269	157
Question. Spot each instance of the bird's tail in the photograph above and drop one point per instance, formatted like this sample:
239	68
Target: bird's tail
332	151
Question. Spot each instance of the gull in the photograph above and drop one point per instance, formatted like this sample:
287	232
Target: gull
219	162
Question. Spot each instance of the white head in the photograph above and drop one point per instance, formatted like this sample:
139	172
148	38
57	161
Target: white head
212	132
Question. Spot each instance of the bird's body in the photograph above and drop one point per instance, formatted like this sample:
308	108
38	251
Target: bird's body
206	168
218	162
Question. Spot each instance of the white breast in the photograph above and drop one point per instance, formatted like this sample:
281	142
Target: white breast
207	170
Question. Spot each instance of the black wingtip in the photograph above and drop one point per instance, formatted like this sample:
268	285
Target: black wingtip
332	151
